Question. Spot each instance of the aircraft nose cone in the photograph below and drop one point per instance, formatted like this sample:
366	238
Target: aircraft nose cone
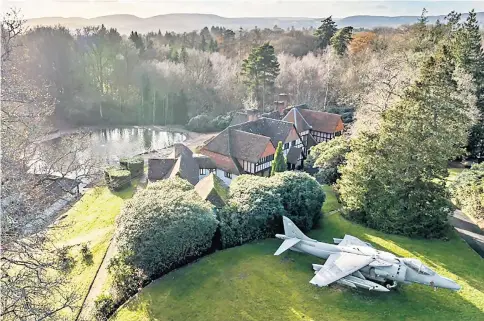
446	283
380	288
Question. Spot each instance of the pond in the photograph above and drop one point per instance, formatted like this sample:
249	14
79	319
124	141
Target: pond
114	143
110	144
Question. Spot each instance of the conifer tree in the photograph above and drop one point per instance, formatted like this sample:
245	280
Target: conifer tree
393	180
260	70
325	32
279	162
341	39
183	55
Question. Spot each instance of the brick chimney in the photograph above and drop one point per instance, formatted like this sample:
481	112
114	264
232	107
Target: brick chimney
282	103
253	114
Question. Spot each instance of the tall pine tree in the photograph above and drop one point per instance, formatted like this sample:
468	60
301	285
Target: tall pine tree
325	32
260	70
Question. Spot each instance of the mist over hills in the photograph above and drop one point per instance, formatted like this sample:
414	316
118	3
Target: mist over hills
185	22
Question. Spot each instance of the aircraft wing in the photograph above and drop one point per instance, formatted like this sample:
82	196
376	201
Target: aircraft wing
351	240
339	265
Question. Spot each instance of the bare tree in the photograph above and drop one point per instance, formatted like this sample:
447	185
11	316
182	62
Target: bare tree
33	283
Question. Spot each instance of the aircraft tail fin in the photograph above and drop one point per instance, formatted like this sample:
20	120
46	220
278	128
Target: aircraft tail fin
292	231
286	245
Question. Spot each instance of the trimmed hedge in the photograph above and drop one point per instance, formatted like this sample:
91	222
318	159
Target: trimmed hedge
165	226
117	178
301	196
468	191
256	205
135	165
253	212
204	123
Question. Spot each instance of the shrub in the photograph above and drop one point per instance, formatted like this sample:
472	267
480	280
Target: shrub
165	226
328	156
204	123
327	175
103	307
301	196
86	253
468	191
117	178
253	212
135	165
126	278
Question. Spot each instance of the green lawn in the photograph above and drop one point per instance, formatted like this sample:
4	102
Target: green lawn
90	221
249	283
453	173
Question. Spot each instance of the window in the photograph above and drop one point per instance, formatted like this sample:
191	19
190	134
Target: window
293	143
212	170
228	175
203	171
286	145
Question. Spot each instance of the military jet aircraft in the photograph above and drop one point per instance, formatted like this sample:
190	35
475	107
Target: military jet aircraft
357	264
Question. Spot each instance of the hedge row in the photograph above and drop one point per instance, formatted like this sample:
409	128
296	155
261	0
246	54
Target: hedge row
135	165
256	205
117	178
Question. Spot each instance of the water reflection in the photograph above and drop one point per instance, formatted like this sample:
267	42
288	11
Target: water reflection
109	145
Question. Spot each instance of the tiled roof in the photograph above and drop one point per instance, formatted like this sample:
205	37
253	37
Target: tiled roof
276	130
317	120
185	167
178	148
158	168
247	146
212	189
293	155
204	161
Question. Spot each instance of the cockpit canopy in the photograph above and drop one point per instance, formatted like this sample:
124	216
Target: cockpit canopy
418	266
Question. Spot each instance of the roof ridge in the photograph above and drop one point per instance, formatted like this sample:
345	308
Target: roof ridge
297	110
249	133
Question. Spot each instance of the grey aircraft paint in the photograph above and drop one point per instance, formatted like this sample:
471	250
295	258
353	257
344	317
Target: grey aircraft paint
357	264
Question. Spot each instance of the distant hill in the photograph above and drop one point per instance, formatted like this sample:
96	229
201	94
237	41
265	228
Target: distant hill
190	21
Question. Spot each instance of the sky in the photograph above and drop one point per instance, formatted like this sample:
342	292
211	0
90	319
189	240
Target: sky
236	8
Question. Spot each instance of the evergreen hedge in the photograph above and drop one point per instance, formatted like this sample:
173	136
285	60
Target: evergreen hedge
135	165
117	178
256	205
165	226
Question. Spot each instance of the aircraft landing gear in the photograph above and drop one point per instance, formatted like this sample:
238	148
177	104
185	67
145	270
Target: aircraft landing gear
390	284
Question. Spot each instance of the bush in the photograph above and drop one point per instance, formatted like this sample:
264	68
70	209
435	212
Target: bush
253	212
256	205
468	191
165	226
204	123
327	175
126	278
117	178
103	307
301	196
135	165
86	253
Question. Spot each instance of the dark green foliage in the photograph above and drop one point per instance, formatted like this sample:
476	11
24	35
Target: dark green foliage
103	307
86	253
301	196
253	212
328	156
180	108
393	180
260	70
164	226
256	205
325	32
126	278
135	165
117	178
137	39
341	39
476	140
183	55
279	163
205	124
468	191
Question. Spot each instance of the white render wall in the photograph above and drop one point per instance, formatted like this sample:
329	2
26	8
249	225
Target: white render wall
226	180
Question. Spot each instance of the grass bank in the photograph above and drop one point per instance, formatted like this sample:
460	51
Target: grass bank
90	221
